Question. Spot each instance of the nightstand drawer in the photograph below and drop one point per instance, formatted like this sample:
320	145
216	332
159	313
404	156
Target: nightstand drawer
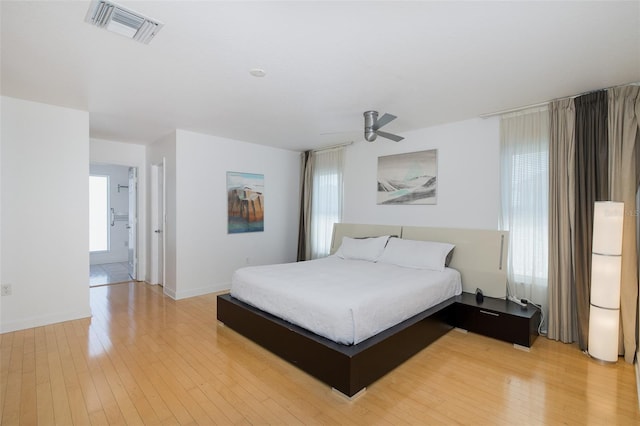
498	318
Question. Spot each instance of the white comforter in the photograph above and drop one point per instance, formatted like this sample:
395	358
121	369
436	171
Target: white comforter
346	301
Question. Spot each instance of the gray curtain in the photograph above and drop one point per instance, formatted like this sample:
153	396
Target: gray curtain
591	173
561	324
624	111
304	227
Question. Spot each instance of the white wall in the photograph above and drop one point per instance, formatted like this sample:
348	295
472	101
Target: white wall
468	177
165	150
206	254
1	209
45	214
132	155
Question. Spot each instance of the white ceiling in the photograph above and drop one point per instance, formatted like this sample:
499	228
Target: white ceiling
327	62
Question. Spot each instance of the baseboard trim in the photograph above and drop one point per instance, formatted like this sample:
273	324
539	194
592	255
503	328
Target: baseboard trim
184	294
169	292
26	323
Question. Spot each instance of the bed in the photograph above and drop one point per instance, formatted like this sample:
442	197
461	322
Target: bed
349	355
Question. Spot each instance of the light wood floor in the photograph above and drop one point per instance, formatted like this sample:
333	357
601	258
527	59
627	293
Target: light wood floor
146	359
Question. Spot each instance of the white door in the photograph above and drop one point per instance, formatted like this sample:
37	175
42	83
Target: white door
133	222
157	224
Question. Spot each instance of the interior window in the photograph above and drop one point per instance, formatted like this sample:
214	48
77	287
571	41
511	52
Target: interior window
98	213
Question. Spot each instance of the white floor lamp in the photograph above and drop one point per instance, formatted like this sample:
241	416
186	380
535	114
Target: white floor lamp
606	261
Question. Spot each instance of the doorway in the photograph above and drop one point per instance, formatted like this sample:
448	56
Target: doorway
113	224
158	220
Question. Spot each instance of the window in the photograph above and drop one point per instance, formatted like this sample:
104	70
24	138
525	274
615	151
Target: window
326	201
98	213
528	218
524	151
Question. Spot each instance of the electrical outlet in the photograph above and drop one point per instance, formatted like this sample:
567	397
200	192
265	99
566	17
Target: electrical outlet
6	290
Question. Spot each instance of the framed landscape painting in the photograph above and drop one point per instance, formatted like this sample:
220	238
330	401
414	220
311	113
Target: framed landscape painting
409	178
245	202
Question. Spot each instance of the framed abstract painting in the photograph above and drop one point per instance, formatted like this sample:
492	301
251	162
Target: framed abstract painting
245	202
410	178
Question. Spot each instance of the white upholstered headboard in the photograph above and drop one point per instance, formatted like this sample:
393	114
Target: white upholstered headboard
480	254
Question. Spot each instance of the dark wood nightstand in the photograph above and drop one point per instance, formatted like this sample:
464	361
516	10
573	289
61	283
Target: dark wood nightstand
497	318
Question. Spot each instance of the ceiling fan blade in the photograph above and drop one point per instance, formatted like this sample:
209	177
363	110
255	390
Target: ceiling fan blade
389	136
384	120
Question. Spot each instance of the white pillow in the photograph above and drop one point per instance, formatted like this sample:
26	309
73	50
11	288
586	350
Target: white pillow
416	254
362	248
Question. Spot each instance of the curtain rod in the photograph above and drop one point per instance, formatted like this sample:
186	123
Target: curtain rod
327	148
506	111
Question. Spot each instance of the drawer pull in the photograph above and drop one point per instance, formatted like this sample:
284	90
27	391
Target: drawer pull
490	313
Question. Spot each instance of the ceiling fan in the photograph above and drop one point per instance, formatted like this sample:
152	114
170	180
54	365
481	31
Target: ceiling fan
372	125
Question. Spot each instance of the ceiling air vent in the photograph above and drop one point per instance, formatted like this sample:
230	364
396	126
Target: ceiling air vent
118	19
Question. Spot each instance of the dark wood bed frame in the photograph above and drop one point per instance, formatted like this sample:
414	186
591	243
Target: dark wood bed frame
479	257
347	368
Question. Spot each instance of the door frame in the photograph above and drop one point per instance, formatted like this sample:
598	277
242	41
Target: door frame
141	211
158	222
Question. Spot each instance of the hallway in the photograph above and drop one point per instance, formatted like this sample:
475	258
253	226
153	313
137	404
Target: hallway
108	273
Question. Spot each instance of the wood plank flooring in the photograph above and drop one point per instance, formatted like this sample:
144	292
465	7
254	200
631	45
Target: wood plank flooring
144	358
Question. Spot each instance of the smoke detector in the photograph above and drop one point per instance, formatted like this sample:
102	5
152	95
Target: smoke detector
121	20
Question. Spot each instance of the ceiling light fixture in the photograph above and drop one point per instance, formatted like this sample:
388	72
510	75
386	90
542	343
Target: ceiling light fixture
121	20
257	72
